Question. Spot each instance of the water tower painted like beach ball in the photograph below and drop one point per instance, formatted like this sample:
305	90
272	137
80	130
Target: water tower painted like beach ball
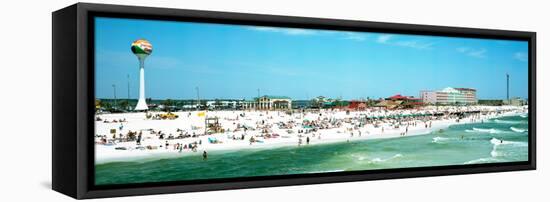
141	48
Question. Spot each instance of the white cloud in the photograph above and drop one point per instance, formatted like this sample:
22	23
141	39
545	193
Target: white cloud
521	56
414	44
391	40
355	36
287	31
388	39
478	53
462	49
296	32
473	52
384	38
299	32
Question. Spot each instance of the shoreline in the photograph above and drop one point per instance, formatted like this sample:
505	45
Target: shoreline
107	154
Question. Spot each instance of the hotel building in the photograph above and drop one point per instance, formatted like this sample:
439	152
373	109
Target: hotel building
449	96
269	103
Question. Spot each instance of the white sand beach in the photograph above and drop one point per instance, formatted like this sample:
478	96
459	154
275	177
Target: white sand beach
266	129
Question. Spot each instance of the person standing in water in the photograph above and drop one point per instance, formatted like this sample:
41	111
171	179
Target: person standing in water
204	155
307	140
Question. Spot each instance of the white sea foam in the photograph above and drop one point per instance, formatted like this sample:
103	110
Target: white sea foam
497	142
326	171
377	160
358	157
439	139
494	152
523	116
484	130
518	130
481	160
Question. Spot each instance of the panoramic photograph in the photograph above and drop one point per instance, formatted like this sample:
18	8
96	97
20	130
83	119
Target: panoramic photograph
184	101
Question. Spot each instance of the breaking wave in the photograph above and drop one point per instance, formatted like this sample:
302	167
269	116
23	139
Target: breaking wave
496	143
518	130
484	130
439	139
378	160
523	116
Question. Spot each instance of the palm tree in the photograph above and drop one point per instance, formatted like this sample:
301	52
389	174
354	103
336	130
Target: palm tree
124	104
97	104
168	103
107	106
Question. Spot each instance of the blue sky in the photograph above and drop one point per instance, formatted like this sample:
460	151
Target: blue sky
233	61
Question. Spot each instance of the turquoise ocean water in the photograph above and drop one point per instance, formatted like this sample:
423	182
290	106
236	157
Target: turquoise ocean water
498	140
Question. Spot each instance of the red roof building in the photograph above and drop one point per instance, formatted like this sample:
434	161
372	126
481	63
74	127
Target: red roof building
407	101
357	105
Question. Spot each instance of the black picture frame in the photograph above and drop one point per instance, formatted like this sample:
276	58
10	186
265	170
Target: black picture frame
73	100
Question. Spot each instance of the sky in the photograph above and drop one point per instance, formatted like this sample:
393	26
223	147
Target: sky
234	61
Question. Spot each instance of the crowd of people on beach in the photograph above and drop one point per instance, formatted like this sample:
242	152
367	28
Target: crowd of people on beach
258	127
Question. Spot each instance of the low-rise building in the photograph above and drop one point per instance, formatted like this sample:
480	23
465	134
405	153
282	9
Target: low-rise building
399	102
357	104
269	102
517	101
301	104
224	104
